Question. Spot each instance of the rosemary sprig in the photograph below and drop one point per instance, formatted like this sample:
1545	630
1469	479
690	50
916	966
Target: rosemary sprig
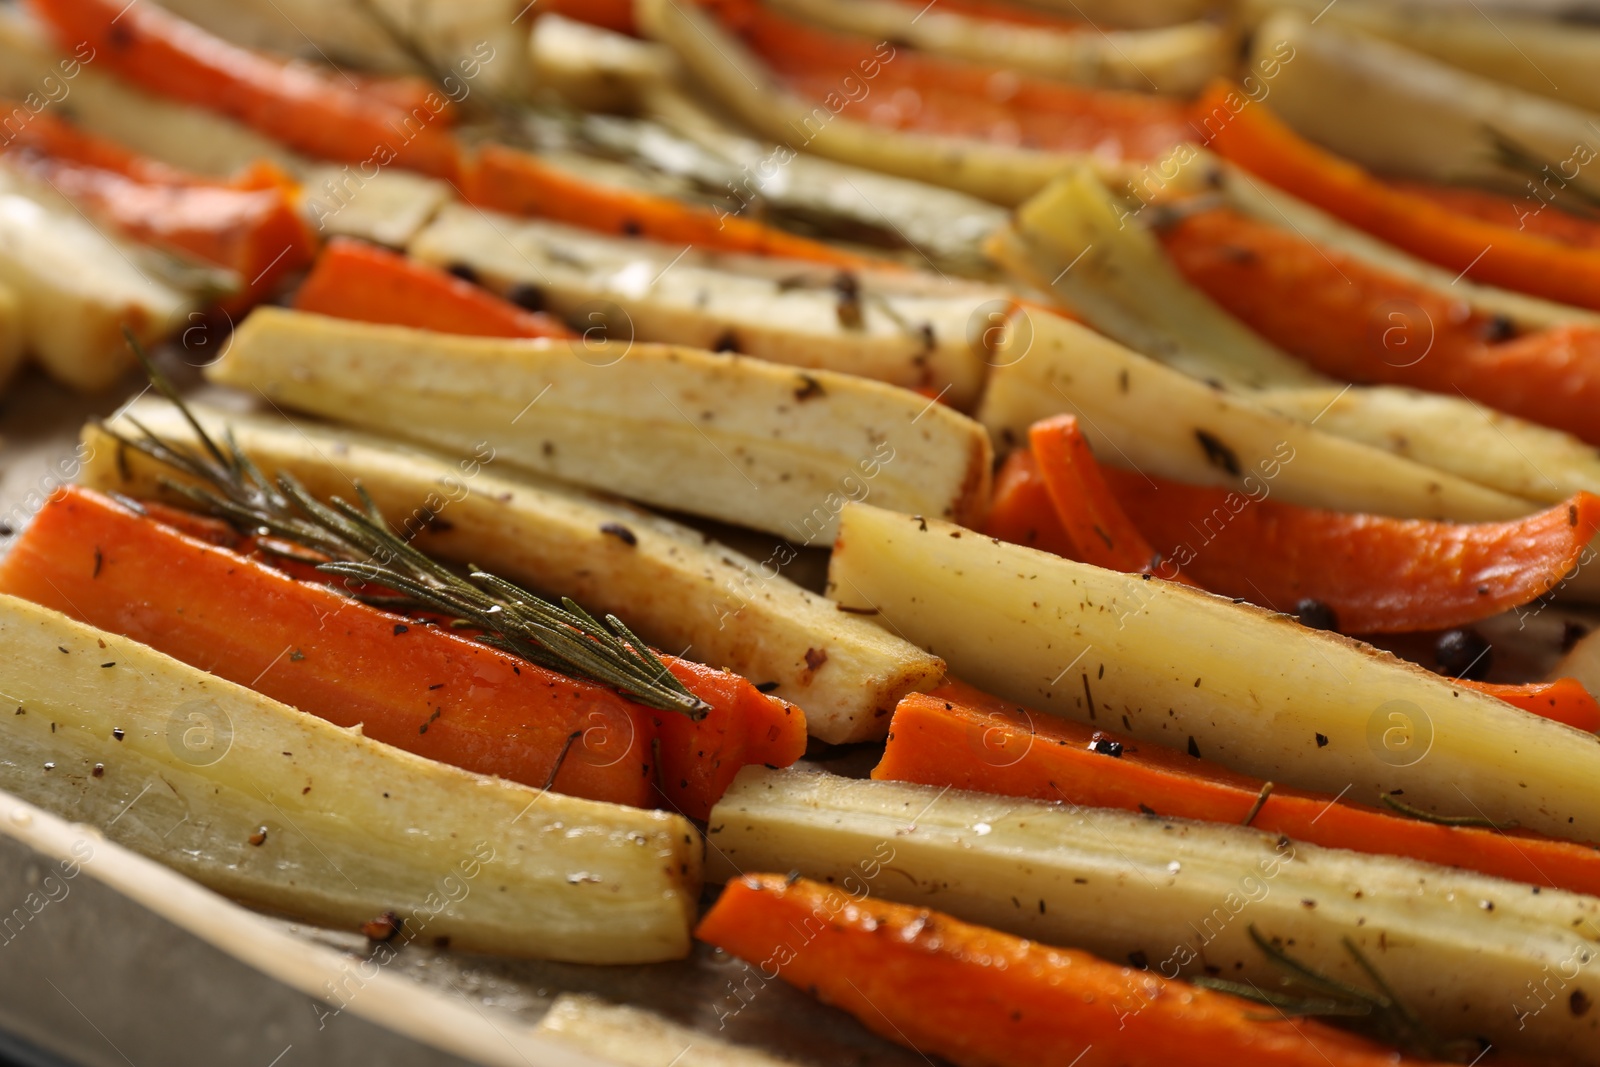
1381	1008
359	545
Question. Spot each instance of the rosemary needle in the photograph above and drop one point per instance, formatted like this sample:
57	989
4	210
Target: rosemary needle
359	545
1441	820
1382	1009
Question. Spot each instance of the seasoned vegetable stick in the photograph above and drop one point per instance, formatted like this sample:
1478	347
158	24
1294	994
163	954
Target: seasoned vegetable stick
981	998
739	80
678	589
1182	896
1399	112
727	437
290	813
1253	690
76	287
892	326
1141	414
1176	59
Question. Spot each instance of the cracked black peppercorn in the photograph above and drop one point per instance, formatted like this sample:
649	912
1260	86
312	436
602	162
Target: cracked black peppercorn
1463	654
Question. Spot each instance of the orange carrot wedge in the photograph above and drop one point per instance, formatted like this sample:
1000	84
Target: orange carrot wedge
1378	574
416	686
1564	700
1094	521
959	737
250	225
315	113
1502	255
698	760
981	998
1022	512
1521	212
1355	322
258	234
355	280
504	179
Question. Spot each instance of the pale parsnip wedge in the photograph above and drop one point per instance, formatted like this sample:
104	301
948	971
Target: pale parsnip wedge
1467	953
675	587
481	44
1582	663
1160	313
940	227
1140	414
1397	111
13	340
287	812
77	287
633	1037
1545	56
1179	59
595	69
740	82
722	436
180	134
1499	451
1238	684
902	328
1119	279
387	207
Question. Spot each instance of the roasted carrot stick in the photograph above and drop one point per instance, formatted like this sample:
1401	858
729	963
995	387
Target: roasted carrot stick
695	759
1089	513
1378	574
1520	212
981	998
417	687
257	233
958	737
409	684
250	224
1500	255
1022	512
320	115
504	179
873	81
1564	700
1356	322
355	280
698	760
